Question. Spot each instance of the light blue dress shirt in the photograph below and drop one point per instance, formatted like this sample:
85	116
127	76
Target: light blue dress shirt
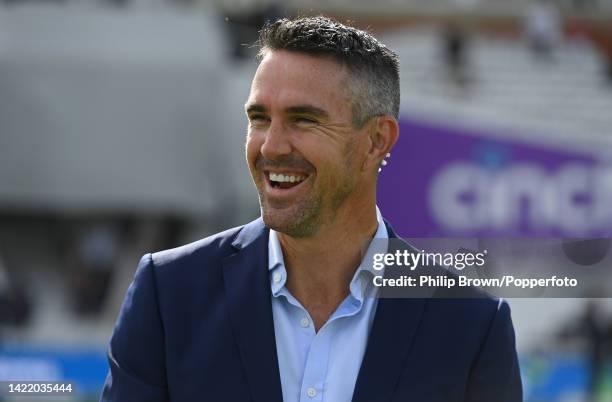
322	366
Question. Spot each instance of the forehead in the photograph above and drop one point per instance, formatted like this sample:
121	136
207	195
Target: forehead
285	79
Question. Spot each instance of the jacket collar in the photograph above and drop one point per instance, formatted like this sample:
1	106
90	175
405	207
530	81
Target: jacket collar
249	233
249	302
391	338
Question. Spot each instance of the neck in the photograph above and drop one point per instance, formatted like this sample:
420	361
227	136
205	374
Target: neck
320	268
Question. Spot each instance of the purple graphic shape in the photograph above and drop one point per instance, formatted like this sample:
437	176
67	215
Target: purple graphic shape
425	149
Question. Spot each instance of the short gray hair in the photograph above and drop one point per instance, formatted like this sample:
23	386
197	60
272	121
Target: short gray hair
373	68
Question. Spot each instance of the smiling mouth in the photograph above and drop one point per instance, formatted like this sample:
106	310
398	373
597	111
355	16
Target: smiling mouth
285	181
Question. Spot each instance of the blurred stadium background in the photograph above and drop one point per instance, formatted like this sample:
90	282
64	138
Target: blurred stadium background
122	132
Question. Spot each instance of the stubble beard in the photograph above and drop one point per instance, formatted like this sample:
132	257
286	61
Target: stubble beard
305	217
299	220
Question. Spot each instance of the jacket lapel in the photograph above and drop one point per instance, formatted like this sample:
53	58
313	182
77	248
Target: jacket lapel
390	340
247	288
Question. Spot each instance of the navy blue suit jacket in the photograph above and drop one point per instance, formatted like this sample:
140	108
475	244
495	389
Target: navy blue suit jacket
196	325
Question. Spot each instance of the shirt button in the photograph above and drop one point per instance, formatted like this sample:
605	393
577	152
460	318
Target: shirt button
311	392
304	322
277	277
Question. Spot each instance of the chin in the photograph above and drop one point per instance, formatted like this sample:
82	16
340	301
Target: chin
290	222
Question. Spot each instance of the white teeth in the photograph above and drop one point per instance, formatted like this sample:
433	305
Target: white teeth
283	178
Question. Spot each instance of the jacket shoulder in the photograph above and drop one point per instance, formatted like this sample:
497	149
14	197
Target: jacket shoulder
216	245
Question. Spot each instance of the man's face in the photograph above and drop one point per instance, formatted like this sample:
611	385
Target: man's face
302	150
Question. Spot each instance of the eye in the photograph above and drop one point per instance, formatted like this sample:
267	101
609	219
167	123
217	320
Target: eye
258	119
305	120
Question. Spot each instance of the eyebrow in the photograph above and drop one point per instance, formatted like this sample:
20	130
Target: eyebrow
255	108
308	109
300	109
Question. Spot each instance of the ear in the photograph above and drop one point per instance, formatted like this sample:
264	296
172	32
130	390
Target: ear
383	135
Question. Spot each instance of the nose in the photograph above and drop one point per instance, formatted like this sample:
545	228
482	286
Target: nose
277	142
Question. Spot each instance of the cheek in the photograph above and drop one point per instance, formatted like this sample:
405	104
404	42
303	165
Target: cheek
342	167
253	145
329	163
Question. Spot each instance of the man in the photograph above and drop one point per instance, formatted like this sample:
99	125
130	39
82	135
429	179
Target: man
278	310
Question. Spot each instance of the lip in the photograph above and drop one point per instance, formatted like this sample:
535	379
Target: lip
287	192
286	171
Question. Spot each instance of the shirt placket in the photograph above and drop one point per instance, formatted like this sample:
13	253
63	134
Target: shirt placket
315	370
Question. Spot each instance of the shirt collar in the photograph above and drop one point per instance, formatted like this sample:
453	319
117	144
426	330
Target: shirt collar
276	264
362	276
